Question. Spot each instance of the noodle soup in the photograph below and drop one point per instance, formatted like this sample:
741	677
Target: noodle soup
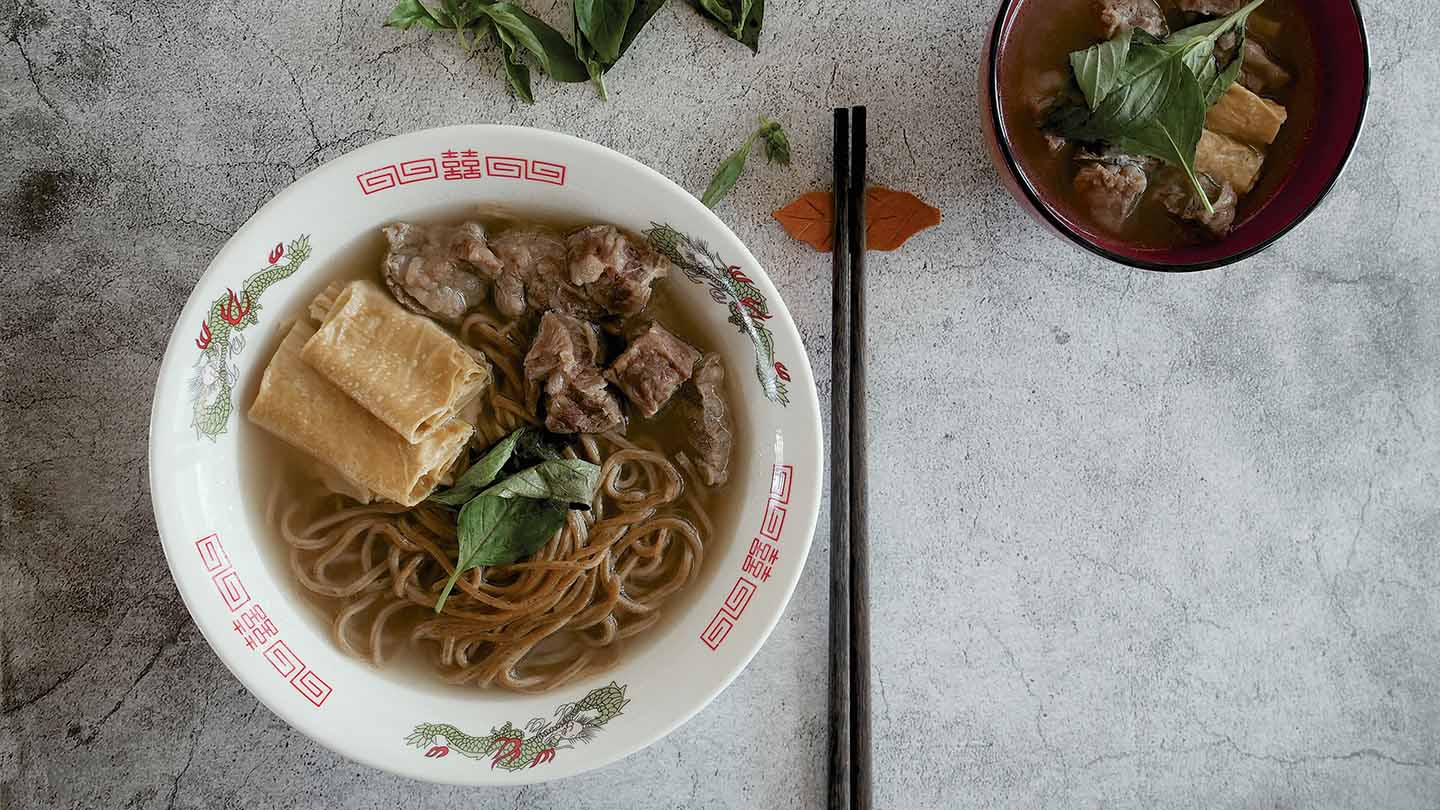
614	570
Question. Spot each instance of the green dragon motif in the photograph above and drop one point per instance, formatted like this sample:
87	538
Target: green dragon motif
729	286
514	749
220	338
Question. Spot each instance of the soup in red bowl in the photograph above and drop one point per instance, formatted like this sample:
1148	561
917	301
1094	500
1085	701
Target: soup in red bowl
1173	134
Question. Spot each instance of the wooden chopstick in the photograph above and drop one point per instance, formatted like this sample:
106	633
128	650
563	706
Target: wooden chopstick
860	781
850	782
840	739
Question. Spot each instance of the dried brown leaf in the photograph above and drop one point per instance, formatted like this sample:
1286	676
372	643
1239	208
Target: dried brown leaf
811	219
891	218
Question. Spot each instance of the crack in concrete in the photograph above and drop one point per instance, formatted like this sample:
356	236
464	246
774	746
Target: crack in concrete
165	644
14	38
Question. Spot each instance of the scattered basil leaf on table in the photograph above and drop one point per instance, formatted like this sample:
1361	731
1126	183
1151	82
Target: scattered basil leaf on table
741	20
482	473
777	150
602	25
412	12
499	531
549	47
516	71
605	29
1154	103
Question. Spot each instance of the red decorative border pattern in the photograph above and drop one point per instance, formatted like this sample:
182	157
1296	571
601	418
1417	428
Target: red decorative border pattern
254	626
759	561
461	164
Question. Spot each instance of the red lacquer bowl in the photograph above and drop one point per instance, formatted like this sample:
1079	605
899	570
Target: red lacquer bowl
1341	66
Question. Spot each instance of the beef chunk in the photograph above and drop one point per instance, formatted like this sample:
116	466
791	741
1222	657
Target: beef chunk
536	276
1110	191
532	259
1174	192
1216	7
1123	15
564	355
563	342
707	418
1260	72
616	269
654	365
438	271
577	400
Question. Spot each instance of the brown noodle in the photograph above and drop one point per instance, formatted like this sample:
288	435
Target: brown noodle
530	626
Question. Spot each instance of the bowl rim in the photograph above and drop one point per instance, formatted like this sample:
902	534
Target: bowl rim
806	397
992	90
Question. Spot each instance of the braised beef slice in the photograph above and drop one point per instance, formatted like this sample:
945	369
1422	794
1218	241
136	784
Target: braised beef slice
1259	72
438	271
616	269
707	419
1123	15
561	343
1173	190
650	370
1110	190
577	400
564	356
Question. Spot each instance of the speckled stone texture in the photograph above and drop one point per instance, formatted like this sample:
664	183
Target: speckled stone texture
1140	541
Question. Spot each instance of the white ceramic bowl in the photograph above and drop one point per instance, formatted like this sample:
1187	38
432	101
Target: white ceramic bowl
231	570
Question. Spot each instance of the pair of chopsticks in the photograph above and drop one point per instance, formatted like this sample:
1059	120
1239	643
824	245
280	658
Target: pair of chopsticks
849	534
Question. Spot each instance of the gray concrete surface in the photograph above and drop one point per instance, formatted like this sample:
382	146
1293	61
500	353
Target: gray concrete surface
1140	541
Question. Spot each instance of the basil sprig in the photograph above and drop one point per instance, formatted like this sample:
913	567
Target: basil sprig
1149	96
777	150
502	522
604	31
514	29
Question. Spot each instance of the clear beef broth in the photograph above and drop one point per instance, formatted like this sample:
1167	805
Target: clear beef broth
1034	65
268	461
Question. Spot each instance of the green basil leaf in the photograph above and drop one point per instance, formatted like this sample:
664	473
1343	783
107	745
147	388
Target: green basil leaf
1098	69
603	23
741	15
1212	30
741	20
549	47
482	472
569	480
644	10
499	531
516	71
1129	105
754	21
727	175
1215	80
1174	133
412	12
537	445
717	10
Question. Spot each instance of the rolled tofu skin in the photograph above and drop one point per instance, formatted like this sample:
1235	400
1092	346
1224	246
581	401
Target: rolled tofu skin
305	410
1246	117
1228	161
402	367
